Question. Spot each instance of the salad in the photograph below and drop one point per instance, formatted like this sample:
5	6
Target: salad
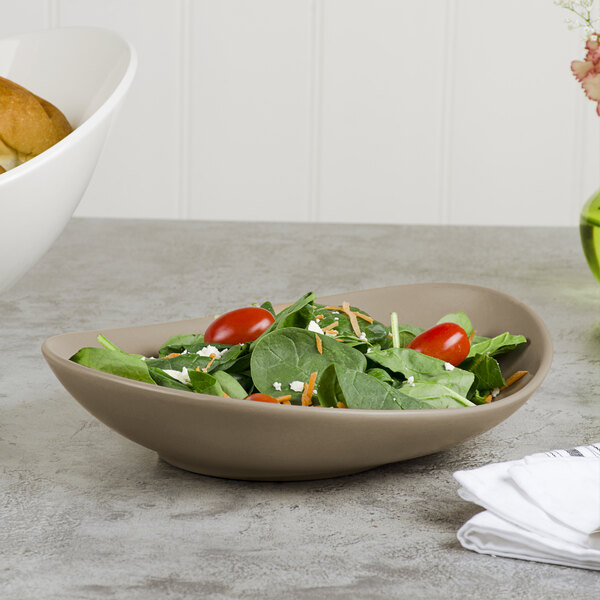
311	354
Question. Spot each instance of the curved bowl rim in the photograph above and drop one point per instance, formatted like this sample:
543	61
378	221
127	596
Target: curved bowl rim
203	400
90	123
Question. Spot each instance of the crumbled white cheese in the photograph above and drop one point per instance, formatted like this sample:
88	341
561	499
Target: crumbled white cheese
297	386
335	312
179	375
314	327
184	352
142	358
448	366
495	392
208	350
363	336
411	381
369	350
277	385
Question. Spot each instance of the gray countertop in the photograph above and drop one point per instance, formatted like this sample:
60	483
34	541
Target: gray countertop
85	513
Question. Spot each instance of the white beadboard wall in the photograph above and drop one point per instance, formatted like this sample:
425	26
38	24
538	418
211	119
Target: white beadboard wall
379	111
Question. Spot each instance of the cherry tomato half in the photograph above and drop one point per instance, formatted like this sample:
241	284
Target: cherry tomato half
447	341
261	398
239	326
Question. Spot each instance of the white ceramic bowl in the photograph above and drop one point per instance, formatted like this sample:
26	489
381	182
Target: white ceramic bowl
85	72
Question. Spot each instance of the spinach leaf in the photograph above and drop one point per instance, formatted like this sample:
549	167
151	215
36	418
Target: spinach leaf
239	364
500	344
486	370
192	361
229	384
375	333
382	375
358	390
165	380
290	354
189	361
329	392
298	314
352	341
460	318
190	344
203	383
268	306
479	397
179	343
407	334
423	368
106	343
245	380
431	395
235	359
114	362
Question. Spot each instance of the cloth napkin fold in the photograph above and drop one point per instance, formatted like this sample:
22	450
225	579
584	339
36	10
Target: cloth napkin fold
545	507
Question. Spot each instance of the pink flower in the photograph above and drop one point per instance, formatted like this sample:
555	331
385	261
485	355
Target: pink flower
587	71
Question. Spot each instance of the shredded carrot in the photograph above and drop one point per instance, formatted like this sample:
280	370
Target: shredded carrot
173	355
364	317
472	336
308	389
352	317
333	307
319	343
210	362
225	395
341	405
285	402
331	332
284	398
319	317
514	377
331	326
306	399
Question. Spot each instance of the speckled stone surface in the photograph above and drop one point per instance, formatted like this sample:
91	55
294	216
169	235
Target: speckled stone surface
87	514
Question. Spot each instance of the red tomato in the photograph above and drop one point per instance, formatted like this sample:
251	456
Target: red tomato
446	341
239	326
261	398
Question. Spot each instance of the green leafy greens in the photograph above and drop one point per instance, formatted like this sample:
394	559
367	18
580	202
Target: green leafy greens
311	342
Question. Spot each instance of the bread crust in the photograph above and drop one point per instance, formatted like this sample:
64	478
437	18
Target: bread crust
28	124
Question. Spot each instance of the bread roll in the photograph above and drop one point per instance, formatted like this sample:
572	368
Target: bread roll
28	125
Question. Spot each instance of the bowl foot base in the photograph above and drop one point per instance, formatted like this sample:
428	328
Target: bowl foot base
252	475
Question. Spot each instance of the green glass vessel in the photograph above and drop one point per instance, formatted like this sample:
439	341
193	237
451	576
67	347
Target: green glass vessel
589	229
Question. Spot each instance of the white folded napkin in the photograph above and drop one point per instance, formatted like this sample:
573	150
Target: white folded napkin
545	507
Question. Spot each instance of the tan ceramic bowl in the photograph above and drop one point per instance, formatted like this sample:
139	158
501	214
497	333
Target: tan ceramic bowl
253	440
